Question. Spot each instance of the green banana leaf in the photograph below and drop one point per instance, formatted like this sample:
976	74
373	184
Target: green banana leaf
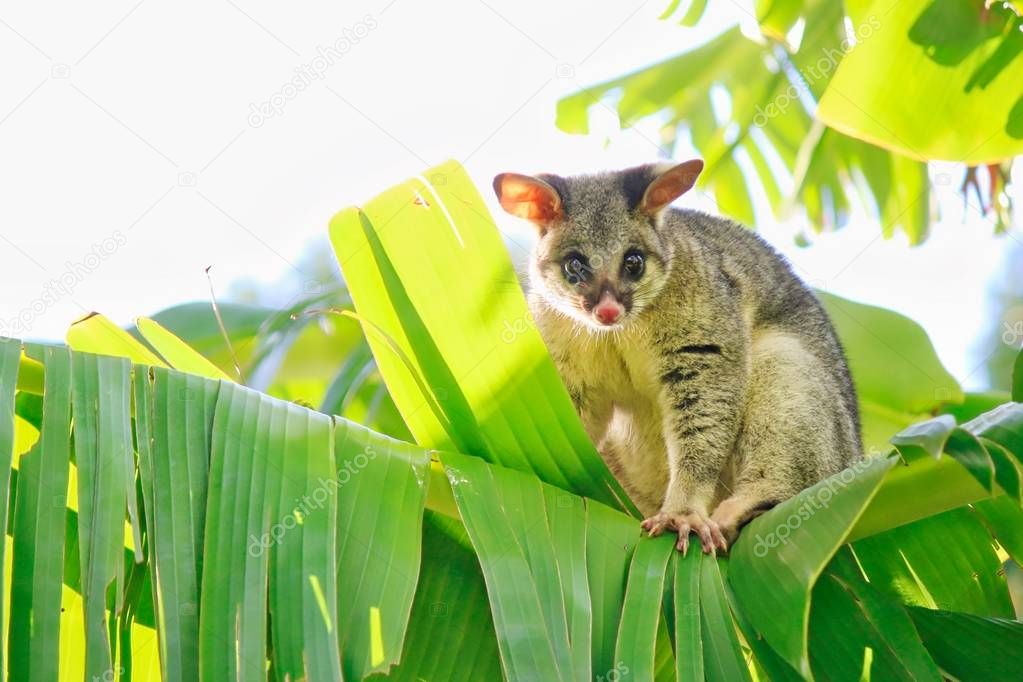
39	531
174	424
451	632
378	546
970	647
968	577
957	60
1004	520
101	397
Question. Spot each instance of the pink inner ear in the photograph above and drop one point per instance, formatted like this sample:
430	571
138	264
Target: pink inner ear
662	192
670	186
661	196
526	198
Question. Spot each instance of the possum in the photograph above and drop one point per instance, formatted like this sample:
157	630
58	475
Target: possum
705	371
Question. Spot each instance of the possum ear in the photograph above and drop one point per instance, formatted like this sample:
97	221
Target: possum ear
527	197
670	185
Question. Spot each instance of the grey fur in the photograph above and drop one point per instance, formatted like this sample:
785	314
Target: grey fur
724	389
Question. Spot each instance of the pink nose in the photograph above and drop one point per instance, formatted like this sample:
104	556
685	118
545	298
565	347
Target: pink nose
607	311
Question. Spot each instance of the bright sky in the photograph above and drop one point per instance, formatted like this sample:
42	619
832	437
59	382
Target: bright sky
132	156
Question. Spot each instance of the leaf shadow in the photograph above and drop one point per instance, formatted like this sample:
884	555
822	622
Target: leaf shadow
952	31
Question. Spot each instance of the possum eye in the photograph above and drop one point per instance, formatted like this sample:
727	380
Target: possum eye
633	264
576	268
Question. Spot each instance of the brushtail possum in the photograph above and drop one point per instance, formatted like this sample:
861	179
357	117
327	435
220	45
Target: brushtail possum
706	372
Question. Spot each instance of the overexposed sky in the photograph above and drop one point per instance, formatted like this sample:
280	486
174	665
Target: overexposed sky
136	146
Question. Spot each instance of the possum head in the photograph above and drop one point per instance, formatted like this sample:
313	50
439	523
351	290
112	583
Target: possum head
601	256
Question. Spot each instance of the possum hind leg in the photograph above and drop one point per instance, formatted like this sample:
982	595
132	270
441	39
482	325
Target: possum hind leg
788	424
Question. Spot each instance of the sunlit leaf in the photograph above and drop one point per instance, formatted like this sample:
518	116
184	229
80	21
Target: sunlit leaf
176	352
967	576
95	333
957	60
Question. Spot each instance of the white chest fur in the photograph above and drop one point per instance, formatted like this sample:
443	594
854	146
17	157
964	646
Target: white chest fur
615	380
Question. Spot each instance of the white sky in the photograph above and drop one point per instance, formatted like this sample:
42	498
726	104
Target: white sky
132	122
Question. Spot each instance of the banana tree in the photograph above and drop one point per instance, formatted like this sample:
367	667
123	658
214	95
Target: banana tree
171	522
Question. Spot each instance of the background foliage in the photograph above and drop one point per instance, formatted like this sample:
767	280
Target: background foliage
825	109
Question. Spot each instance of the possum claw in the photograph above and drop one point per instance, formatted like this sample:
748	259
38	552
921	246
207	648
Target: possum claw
711	537
657	524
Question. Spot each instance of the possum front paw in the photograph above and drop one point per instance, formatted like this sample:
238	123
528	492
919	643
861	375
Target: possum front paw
684	523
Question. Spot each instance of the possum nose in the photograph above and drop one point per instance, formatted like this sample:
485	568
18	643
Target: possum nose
608	310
